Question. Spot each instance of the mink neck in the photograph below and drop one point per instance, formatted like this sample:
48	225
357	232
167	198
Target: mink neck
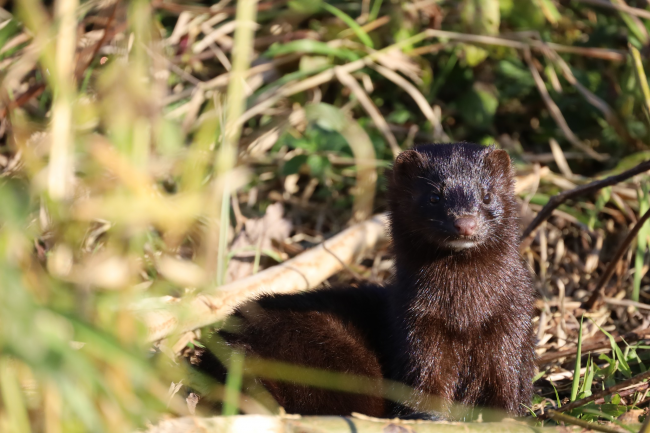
459	290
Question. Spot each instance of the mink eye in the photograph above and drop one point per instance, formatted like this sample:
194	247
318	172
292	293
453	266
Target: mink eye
487	197
435	198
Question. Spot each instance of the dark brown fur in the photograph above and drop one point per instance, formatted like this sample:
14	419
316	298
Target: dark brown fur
456	320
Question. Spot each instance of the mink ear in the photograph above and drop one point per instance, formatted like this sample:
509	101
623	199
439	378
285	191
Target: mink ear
500	161
406	162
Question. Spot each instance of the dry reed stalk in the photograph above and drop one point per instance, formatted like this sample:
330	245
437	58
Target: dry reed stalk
61	168
225	161
366	162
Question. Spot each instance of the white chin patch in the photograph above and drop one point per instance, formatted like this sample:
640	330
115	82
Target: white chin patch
461	244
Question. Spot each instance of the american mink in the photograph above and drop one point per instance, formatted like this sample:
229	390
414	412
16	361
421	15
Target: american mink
455	322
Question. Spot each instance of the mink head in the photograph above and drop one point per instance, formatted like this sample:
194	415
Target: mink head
452	199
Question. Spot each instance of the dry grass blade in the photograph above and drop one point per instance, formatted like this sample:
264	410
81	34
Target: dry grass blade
560	159
479	39
555	112
366	162
601	53
348	80
438	133
347	33
597	53
623	8
626	303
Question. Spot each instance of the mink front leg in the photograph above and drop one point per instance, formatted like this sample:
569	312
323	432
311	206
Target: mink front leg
510	368
437	375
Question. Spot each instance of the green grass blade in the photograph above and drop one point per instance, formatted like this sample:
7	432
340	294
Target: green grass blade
347	19
13	398
641	78
617	354
576	372
233	383
374	12
642	239
557	396
550	11
589	378
311	47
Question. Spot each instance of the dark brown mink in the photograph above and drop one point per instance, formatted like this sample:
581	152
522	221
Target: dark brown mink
455	321
464	297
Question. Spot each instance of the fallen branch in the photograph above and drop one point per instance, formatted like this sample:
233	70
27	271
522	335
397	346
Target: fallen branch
303	272
358	423
558	199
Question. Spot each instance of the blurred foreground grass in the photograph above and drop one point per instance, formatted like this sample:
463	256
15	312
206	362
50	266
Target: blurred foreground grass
138	138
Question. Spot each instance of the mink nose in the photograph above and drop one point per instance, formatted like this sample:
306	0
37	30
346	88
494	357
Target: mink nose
466	225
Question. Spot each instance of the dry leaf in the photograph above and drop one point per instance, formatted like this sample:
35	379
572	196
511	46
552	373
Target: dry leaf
255	238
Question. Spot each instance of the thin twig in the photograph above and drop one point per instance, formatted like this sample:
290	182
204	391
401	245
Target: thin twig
605	392
558	199
582	423
30	93
626	303
619	253
586	348
101	42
